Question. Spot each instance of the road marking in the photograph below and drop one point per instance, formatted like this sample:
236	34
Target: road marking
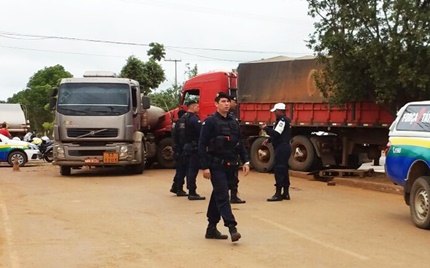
13	255
316	241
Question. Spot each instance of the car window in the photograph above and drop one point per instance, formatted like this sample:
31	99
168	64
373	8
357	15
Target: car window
415	118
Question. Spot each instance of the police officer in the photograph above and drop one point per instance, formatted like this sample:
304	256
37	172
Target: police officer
219	145
180	165
190	138
280	138
233	184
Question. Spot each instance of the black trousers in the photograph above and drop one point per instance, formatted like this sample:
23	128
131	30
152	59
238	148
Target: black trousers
282	154
233	179
181	171
219	204
193	166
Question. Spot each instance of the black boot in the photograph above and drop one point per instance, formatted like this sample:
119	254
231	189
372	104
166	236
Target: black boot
234	234
235	199
213	233
195	196
174	188
277	196
181	192
286	194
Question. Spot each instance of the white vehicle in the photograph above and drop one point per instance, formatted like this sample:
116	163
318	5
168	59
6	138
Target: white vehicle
16	149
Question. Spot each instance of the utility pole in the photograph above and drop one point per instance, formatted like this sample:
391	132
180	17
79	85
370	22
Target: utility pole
176	70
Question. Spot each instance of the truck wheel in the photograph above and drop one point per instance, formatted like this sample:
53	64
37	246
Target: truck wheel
353	161
17	155
165	155
262	156
65	170
303	154
420	202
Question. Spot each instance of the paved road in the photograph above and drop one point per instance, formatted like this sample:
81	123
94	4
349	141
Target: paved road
95	219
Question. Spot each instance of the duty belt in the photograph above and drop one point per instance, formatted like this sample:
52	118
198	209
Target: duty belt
223	162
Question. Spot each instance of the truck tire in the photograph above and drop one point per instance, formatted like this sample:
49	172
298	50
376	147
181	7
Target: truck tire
353	161
420	202
262	156
303	155
18	155
65	170
165	155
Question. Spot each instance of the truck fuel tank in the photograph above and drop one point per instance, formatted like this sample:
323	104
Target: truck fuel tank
152	117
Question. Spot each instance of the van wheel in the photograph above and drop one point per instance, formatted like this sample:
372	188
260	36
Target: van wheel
262	156
303	155
65	170
165	155
420	202
21	157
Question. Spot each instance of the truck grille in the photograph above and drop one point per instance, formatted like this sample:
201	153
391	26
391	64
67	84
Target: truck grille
92	132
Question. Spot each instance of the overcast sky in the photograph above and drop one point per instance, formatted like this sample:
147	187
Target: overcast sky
215	35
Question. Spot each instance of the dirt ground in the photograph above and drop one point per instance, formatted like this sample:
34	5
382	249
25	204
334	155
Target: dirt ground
105	218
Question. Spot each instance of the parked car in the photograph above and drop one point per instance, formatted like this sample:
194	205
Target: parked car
11	149
408	158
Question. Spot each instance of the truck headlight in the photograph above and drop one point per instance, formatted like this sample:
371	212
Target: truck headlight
123	151
60	152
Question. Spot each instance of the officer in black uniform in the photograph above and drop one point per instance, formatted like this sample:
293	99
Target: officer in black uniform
180	165
190	151
219	147
233	184
280	138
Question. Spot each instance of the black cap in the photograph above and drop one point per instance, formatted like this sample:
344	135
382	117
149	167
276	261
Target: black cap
221	95
232	97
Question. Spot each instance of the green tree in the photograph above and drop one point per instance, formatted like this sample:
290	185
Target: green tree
374	50
37	95
191	71
149	74
169	98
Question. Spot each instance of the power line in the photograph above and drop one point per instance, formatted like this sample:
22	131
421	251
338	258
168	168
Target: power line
2	33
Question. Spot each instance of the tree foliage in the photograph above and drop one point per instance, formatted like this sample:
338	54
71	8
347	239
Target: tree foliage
149	74
35	98
168	99
374	50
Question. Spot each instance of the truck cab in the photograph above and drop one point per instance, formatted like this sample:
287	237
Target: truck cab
98	123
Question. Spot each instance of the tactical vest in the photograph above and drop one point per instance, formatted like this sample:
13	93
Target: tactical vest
226	141
184	130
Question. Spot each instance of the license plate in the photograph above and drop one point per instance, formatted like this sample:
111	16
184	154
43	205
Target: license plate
92	161
110	157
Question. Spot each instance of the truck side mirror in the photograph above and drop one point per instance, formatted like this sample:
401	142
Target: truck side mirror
54	92
52	103
53	99
146	102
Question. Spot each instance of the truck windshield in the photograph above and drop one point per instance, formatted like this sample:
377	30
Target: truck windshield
93	99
